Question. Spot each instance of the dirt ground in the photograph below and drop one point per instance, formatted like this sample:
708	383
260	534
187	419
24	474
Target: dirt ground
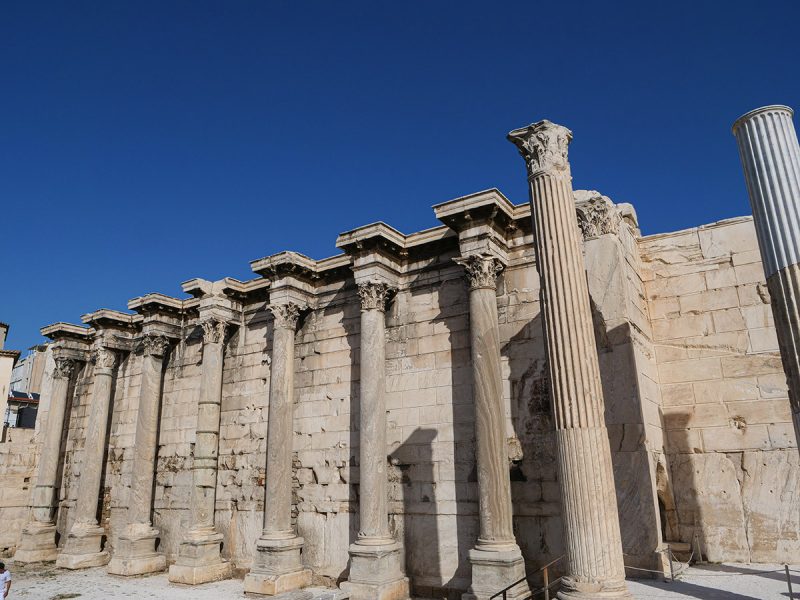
702	582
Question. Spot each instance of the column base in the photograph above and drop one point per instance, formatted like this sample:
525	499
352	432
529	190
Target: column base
37	544
493	570
199	560
135	553
573	590
277	567
83	548
376	573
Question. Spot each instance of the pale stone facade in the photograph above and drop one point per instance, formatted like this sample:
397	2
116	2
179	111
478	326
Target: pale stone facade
381	419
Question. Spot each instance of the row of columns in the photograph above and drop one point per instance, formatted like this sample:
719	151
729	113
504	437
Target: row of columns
591	525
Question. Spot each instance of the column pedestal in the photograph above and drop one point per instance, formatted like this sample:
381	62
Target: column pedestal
83	548
37	544
493	570
199	560
376	572
136	554
277	567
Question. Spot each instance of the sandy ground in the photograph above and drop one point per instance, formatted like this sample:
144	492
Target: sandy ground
729	581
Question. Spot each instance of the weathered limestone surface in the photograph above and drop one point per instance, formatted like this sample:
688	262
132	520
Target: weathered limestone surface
18	457
726	412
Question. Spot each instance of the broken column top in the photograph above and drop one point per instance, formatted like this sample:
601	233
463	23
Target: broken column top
543	145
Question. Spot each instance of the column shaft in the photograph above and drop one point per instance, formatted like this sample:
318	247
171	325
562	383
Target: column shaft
589	510
46	479
770	156
278	503
494	482
94	445
146	447
206	447
373	500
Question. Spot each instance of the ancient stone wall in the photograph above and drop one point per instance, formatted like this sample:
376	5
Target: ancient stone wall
735	477
17	465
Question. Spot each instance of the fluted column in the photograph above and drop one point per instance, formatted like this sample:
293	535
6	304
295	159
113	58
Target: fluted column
277	567
375	560
135	553
770	157
595	566
38	542
199	559
83	547
496	558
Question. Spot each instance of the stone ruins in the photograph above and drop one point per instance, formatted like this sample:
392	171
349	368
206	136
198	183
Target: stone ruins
440	414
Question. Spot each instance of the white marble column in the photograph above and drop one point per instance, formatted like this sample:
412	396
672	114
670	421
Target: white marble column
496	558
770	157
375	560
277	566
83	547
38	541
595	567
135	553
199	559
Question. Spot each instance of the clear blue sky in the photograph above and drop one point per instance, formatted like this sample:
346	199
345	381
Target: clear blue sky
145	143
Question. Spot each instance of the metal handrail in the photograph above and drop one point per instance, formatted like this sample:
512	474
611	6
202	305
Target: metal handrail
547	585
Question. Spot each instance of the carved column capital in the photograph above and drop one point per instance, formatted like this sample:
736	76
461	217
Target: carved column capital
286	315
597	216
374	294
65	367
213	330
481	270
543	145
103	357
155	345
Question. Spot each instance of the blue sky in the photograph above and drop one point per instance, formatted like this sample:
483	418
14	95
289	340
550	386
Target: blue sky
145	143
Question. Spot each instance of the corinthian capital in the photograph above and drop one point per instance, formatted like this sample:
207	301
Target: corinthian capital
213	331
65	367
374	295
103	357
543	145
481	269
155	345
286	315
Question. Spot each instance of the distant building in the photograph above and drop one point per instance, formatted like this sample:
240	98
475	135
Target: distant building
8	359
27	374
21	410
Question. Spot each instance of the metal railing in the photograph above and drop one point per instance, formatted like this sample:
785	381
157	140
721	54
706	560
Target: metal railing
545	578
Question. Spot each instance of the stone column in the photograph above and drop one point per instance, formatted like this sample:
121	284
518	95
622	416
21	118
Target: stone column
771	159
595	566
38	541
376	571
135	553
277	567
83	547
496	558
199	559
